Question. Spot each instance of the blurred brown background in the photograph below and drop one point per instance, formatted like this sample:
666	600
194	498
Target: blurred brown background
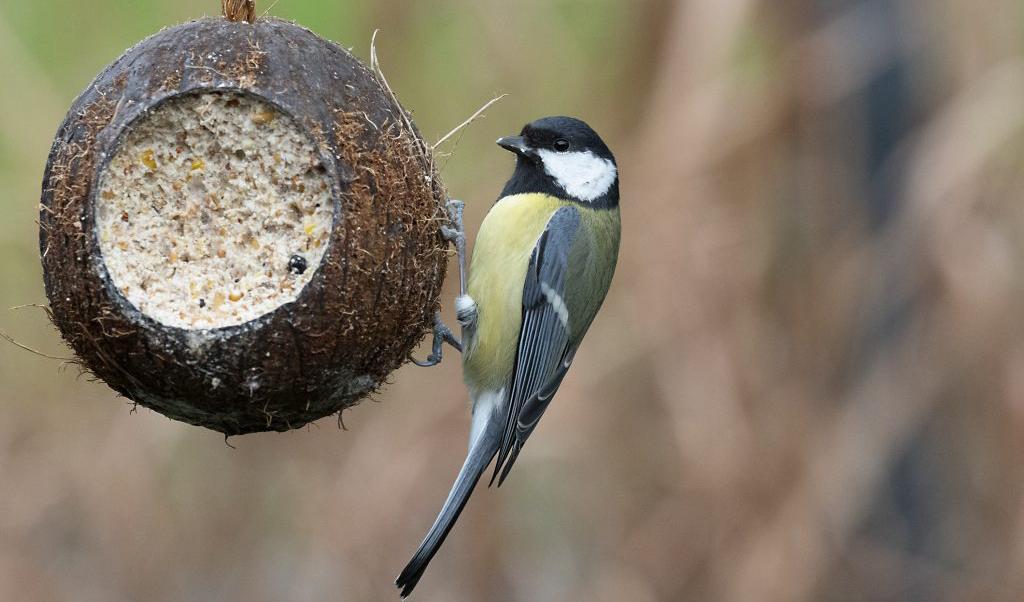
807	382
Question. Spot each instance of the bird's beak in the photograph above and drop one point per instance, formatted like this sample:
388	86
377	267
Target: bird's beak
518	145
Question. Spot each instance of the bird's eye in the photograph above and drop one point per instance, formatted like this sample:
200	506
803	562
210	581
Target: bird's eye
561	145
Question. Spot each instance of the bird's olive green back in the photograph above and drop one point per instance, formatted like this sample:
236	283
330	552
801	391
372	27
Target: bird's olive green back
592	260
498	270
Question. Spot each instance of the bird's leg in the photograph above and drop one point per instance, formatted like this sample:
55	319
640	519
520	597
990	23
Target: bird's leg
465	306
455	234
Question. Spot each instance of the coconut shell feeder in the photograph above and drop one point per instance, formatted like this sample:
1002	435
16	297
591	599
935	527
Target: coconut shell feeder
240	226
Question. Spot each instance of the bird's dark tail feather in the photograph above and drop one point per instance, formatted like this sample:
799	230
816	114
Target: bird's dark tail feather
480	455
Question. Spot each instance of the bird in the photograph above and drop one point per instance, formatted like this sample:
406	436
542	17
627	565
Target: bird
541	267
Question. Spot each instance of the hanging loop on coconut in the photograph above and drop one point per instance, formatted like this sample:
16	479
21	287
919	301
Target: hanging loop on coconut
239	10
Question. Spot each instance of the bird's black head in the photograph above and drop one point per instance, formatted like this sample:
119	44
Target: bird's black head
563	157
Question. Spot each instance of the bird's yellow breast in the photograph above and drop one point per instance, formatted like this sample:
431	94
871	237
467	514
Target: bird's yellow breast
496	276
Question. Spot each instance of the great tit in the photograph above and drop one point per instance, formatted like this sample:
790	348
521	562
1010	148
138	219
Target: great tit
542	264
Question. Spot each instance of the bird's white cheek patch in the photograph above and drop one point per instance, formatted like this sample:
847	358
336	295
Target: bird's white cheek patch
583	175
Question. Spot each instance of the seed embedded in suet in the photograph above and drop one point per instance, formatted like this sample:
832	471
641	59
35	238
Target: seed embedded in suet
297	264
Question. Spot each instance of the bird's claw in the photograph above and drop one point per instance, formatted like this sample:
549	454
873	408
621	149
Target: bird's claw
442	335
452	235
455	234
455	208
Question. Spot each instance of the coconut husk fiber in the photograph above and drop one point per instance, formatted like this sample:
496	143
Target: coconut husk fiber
371	297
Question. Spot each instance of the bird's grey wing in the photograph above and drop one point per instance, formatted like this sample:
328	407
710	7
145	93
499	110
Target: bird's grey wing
532	410
543	354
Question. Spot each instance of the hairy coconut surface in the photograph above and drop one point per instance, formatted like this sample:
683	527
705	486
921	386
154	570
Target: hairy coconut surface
276	356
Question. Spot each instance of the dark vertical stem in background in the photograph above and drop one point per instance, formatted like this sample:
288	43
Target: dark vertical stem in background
909	509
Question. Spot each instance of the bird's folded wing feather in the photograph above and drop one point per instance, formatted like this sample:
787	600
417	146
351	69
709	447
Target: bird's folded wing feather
543	354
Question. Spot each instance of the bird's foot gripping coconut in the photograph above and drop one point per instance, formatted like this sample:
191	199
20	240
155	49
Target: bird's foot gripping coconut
455	234
240	227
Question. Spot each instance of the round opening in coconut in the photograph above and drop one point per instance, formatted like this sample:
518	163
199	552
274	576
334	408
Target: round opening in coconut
240	226
215	209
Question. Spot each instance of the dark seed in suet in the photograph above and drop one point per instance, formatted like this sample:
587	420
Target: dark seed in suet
297	264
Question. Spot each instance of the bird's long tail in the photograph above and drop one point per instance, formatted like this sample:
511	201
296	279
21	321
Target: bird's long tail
483	449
